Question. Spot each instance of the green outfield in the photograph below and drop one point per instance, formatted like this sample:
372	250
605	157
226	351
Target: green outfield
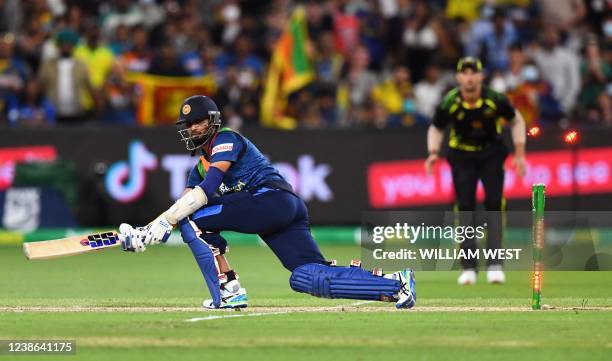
145	307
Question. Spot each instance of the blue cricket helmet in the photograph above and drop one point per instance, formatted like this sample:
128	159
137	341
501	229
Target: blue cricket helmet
196	109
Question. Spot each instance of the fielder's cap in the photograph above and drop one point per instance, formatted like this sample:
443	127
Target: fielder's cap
469	63
195	109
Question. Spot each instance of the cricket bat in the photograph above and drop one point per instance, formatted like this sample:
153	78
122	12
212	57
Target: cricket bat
70	246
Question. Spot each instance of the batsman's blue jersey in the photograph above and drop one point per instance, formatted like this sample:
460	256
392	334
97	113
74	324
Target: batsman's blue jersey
257	200
249	166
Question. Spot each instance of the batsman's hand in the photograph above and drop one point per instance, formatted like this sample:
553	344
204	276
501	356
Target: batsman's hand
429	163
132	239
158	231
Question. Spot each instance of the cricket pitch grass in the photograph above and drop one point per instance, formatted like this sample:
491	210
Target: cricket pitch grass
120	306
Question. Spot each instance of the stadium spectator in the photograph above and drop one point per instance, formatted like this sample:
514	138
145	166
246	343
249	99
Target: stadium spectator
47	11
596	71
230	14
120	42
166	62
238	91
65	81
182	30
512	82
372	29
328	62
30	43
560	67
346	29
34	109
395	96
120	98
606	27
393	13
11	15
232	41
76	18
527	91
448	40
310	118
428	93
152	13
241	57
139	57
121	12
201	61
379	114
97	57
513	76
357	85
491	39
596	12
534	98
319	19
12	76
420	39
326	103
566	14
468	10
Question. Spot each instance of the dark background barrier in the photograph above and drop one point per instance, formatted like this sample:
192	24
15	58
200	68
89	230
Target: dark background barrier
329	168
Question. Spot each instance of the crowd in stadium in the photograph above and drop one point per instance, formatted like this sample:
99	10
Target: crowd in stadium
378	63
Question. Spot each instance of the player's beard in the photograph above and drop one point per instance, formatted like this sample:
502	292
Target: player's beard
471	87
472	90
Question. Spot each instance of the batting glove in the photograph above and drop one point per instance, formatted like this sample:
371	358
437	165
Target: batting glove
132	239
158	231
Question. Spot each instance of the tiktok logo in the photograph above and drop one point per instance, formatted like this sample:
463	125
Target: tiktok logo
126	181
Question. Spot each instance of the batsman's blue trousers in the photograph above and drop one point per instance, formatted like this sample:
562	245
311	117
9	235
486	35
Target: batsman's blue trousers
279	217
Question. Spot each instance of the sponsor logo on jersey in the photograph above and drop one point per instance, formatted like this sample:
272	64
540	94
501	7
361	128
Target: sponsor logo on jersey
224	189
224	147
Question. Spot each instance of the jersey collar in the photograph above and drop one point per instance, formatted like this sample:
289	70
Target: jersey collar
477	105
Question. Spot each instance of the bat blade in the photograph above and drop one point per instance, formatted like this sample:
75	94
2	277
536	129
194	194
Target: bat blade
70	246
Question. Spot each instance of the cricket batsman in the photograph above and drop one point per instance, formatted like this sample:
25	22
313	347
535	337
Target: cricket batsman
254	198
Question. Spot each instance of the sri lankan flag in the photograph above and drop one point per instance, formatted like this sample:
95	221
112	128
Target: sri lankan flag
289	70
160	97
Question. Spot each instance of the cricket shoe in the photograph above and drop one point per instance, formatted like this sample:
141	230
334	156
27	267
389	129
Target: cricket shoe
495	274
232	296
467	277
406	297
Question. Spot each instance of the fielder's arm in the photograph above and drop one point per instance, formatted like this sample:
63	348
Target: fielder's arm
519	138
435	136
